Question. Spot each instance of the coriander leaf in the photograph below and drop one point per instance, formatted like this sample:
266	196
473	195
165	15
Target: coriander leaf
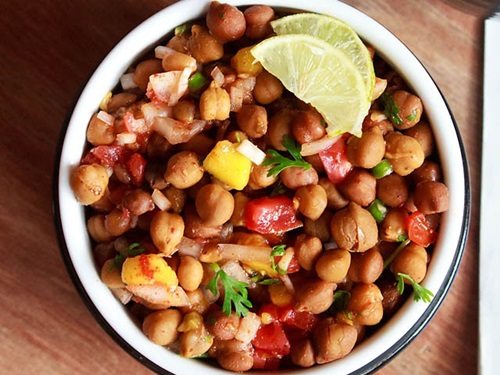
412	116
278	250
280	162
395	253
292	147
132	250
401	238
391	109
419	292
268	282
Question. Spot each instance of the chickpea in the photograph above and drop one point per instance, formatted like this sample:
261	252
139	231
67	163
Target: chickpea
179	43
409	108
404	153
117	222
203	46
332	340
307	250
89	183
197	302
429	171
145	69
214	104
307	126
195	342
354	228
244	62
122	99
319	228
392	298
225	22
359	187
166	231
252	119
138	202
315	296
312	201
157	146
184	110
161	326
97	229
367	151
393	226
267	88
214	205
184	170
422	132
366	304
259	178
302	353
279	126
111	275
411	261
197	228
258	18
250	239
431	197
380	86
238	361
335	200
176	197
366	267
190	273
240	201
175	61
236	136
295	177
201	144
280	295
222	326
104	204
173	262
392	190
100	133
333	265
315	162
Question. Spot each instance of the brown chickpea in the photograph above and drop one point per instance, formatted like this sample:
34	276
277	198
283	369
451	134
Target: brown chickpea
422	132
215	104
145	69
366	304
111	275
117	222
122	99
166	231
429	171
302	353
312	201
157	146
203	46
314	296
333	265
335	200
97	229
176	61
214	205
222	326
190	273
138	202
267	88
161	326
259	178
104	204
319	228
238	361
197	302
279	126
404	153
409	108
393	227
184	110
354	228
252	119
279	295
179	43
411	261
392	190
100	133
366	267
295	177
197	228
184	170
200	144
367	151
258	19
89	183
236	136
316	162
307	250
431	197
240	201
225	22
195	342
307	126
359	187
333	340
177	198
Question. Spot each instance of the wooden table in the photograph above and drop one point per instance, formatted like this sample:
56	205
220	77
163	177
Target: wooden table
48	49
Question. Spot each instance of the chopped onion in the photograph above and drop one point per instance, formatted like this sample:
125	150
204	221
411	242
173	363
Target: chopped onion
218	76
285	279
236	98
168	87
176	132
127	81
315	147
123	295
210	297
245	253
106	117
377	116
249	325
152	110
162	51
125	138
234	269
189	247
226	231
160	294
286	259
134	125
251	152
160	200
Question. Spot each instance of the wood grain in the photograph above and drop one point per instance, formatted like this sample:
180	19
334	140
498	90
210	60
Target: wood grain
48	49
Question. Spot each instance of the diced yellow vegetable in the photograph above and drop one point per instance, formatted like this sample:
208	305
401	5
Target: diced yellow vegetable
262	268
244	62
191	321
228	165
147	270
280	295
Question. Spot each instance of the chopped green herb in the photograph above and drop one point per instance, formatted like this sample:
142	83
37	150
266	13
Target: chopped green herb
412	116
378	210
402	238
395	253
235	292
278	250
181	29
196	82
419	292
340	300
132	250
391	109
268	282
382	169
280	162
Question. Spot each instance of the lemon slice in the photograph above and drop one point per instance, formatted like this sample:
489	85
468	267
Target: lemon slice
319	74
335	32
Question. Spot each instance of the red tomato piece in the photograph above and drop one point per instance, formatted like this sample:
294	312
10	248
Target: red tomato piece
335	161
107	156
420	230
294	265
136	165
286	315
271	215
264	360
271	338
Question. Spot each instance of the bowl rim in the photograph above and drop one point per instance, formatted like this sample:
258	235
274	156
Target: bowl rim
371	366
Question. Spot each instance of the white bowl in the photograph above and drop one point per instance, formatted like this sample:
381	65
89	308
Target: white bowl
70	220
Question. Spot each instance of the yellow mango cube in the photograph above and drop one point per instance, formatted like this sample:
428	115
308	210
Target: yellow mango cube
148	269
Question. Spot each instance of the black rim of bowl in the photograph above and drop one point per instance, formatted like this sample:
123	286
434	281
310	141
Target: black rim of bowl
370	367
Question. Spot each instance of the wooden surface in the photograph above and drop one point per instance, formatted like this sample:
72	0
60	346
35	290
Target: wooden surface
48	49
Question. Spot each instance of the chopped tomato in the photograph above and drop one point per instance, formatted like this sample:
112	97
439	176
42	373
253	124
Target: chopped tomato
271	215
420	230
264	360
136	166
271	338
294	265
335	161
107	156
286	315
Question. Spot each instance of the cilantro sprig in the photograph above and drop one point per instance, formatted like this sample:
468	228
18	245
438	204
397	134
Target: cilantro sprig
391	109
132	250
279	162
419	292
278	250
235	292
